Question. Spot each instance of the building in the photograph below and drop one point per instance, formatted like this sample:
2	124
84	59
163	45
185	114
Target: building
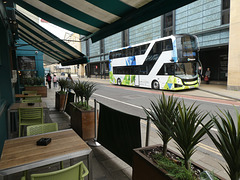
208	19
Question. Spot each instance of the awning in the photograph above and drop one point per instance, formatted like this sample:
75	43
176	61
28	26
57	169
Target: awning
99	18
46	42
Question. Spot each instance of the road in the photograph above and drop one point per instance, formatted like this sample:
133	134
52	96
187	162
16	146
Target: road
131	100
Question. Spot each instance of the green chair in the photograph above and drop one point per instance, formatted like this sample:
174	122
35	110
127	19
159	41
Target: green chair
41	128
32	99
30	116
76	172
29	92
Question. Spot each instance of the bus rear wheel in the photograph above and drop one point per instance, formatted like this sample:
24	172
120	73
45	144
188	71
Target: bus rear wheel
119	82
155	85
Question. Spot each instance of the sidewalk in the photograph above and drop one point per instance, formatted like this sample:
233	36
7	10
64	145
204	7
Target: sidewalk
106	166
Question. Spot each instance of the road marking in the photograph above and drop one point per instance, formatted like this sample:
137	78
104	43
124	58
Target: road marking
204	146
105	97
209	148
190	97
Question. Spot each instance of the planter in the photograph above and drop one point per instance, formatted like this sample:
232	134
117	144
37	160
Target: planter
82	122
60	101
41	90
69	99
145	168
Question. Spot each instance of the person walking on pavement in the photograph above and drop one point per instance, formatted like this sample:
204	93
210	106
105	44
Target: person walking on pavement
49	80
70	80
207	76
54	81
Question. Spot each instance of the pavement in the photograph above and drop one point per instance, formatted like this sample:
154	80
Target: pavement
106	166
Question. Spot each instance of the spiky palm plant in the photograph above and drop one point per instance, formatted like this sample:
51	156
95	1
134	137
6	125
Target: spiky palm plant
186	130
63	83
161	110
78	88
89	89
227	141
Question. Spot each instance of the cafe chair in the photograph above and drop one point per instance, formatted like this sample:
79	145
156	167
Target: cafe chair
41	128
30	116
29	92
76	172
32	99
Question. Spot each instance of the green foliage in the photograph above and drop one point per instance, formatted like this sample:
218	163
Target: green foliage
38	81
186	130
227	141
78	88
84	90
174	170
63	83
83	105
89	89
34	81
160	111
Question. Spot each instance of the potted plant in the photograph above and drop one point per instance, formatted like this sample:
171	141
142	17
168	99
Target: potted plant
227	141
173	120
36	84
82	114
61	96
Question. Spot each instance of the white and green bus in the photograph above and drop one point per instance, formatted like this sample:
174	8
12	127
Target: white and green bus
168	63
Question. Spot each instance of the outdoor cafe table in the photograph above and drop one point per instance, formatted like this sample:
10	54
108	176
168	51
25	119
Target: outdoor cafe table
24	95
14	109
21	154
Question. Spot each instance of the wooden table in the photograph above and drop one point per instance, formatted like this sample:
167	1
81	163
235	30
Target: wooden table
14	109
26	96
22	153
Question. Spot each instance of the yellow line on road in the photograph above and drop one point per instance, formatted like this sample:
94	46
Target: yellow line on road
209	148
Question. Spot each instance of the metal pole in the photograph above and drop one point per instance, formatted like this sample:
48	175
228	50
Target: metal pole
94	141
147	131
95	117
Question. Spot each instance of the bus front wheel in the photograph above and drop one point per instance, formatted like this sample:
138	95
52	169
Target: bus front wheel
155	85
119	82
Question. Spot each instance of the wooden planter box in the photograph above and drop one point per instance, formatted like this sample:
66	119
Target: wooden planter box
41	90
82	122
144	168
60	101
69	100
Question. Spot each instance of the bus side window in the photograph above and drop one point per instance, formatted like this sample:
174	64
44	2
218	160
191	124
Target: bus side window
136	51
111	55
166	69
124	53
144	48
129	52
167	45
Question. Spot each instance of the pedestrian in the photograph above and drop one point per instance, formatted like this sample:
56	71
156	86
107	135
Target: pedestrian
55	81
200	71
207	76
49	80
70	80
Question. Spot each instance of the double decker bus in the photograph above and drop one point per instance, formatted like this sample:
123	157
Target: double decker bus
168	63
